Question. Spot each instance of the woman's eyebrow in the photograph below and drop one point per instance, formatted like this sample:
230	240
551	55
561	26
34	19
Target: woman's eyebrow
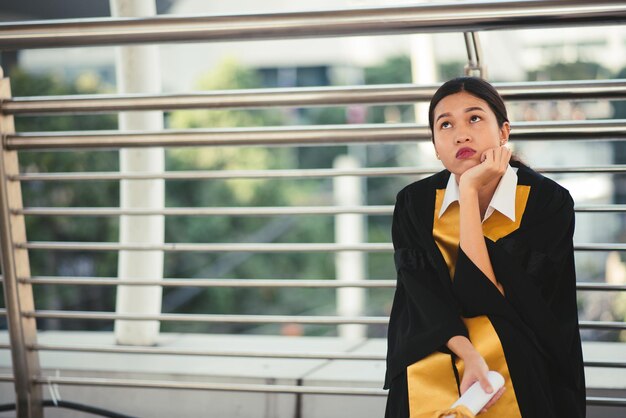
443	115
469	109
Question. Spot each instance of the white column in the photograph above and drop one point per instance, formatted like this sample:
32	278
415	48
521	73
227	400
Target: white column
138	71
349	229
423	71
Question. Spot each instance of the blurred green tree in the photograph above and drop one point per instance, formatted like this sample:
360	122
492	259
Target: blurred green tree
41	193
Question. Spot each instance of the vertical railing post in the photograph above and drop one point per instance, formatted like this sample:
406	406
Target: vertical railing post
18	296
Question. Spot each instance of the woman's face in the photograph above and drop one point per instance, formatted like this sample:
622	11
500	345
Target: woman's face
464	127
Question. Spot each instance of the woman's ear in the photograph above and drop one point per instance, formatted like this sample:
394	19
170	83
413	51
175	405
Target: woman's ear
505	130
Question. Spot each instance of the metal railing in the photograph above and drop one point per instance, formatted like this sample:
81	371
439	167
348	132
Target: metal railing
18	282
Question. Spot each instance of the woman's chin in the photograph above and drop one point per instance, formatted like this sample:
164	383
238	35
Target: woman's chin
462	166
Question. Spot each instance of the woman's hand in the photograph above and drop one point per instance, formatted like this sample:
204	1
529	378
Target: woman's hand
476	369
494	162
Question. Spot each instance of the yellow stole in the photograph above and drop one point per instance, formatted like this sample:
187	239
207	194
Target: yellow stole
431	382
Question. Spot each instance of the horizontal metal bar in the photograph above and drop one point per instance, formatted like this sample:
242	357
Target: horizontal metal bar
246	247
606	364
210	318
600	247
600	208
246	211
282	283
253	319
253	354
226	174
293	173
602	401
311	390
237	354
603	287
211	211
230	387
203	353
221	247
613	325
301	97
329	134
423	18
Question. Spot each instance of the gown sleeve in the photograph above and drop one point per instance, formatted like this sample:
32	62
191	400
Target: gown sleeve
423	317
535	266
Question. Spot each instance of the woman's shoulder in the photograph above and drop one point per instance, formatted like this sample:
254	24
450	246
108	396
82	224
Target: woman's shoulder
547	194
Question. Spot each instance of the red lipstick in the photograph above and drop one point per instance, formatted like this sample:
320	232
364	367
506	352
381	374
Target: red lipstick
464	153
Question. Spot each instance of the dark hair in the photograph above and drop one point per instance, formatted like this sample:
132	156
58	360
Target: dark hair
474	86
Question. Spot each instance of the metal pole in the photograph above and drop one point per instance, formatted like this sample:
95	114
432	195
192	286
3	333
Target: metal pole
422	91
421	18
18	295
474	66
138	71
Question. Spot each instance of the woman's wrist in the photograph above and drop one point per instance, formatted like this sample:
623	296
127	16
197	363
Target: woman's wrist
467	189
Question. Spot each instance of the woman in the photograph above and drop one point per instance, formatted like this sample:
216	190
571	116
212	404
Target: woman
486	279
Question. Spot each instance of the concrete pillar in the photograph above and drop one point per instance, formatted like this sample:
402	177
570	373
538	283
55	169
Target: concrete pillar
349	229
423	71
138	71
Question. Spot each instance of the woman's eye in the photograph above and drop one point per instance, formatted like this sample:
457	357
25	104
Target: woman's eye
444	125
475	118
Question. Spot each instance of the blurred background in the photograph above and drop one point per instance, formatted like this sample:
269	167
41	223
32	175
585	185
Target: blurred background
588	53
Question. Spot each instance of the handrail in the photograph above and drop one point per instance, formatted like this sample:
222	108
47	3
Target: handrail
423	18
253	319
218	318
283	283
243	387
238	353
246	211
249	247
255	283
279	174
204	247
335	134
301	97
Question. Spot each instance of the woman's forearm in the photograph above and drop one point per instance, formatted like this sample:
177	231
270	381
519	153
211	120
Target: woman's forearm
462	347
472	241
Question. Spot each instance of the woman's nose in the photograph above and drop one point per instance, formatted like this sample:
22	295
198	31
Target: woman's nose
462	138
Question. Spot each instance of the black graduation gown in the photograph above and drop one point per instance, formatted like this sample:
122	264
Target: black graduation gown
537	320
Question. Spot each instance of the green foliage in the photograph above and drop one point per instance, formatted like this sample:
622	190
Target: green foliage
38	193
255	192
250	192
394	70
579	70
451	69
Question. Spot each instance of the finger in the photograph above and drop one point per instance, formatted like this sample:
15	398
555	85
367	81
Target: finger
484	383
488	156
495	398
464	386
505	157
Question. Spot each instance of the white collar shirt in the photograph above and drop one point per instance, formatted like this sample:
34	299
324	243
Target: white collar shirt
503	199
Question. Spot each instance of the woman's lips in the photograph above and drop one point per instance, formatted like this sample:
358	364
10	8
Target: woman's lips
464	153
